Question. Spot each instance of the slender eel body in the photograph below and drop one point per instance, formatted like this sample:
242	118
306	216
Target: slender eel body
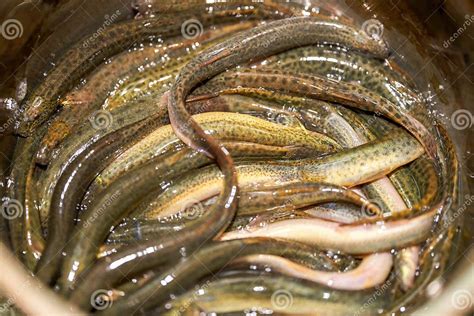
360	278
25	228
344	66
231	295
225	126
346	168
360	239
